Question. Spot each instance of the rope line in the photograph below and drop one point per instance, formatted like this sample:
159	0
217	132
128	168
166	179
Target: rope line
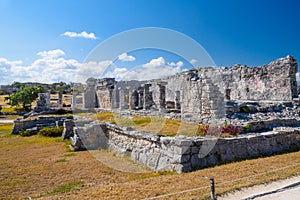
226	182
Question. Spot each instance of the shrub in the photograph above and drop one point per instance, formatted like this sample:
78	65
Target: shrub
231	130
244	109
202	129
26	133
247	127
51	131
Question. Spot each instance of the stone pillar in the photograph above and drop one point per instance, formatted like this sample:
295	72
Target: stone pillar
73	103
60	101
130	91
146	96
122	98
68	129
177	100
48	95
140	99
162	96
89	95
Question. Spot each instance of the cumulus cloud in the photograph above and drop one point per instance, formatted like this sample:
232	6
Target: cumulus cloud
156	68
117	73
50	67
125	57
83	34
92	69
51	54
193	61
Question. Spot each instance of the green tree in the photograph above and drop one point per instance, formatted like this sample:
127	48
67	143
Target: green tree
25	97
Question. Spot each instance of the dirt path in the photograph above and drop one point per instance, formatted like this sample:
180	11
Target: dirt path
283	189
6	121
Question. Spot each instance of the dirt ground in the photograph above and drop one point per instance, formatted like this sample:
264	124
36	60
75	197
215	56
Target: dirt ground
43	168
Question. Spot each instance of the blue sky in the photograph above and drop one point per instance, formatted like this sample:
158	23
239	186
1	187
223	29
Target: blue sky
234	31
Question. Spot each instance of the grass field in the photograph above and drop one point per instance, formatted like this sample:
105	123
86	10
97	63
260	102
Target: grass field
40	167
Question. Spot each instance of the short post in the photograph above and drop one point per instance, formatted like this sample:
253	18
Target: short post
212	189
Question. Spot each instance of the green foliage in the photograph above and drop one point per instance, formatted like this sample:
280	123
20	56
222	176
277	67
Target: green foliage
26	133
61	160
51	131
141	121
245	109
203	129
247	127
24	97
1	92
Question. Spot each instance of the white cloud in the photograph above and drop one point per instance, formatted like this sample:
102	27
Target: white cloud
117	73
193	61
156	68
92	69
51	54
83	34
50	67
125	57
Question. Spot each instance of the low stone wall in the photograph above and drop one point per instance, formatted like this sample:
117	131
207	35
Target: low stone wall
263	125
184	154
42	121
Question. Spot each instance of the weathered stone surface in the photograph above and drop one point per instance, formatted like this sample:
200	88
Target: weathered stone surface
184	154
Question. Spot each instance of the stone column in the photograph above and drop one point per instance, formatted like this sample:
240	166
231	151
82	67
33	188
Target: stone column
73	103
48	95
177	100
162	96
130	91
68	129
140	95
121	98
60	101
146	96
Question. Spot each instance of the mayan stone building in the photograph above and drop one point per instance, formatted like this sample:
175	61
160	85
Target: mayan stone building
199	93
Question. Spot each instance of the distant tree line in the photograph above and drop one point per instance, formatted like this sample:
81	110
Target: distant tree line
63	87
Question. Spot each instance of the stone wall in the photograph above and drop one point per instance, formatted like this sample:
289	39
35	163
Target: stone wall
38	123
274	82
200	93
183	154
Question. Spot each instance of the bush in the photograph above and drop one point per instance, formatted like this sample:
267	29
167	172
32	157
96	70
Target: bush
247	127
203	129
231	130
26	133
245	109
51	131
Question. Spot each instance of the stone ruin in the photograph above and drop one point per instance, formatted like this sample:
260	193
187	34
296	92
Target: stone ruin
199	95
43	102
264	99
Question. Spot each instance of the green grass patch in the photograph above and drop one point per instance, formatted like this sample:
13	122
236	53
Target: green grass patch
141	121
5	129
51	131
69	154
8	109
65	187
106	116
61	160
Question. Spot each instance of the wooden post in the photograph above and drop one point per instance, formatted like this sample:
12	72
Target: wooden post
212	189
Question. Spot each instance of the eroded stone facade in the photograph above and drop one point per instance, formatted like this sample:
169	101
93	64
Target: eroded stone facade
198	94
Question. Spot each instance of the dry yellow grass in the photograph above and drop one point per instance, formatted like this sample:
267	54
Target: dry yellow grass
38	167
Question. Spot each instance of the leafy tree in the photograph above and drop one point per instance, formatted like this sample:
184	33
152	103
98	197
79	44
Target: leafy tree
24	97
